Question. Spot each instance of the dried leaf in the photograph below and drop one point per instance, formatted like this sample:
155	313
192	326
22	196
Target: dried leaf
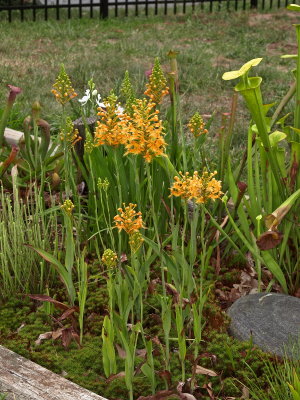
204	371
245	392
68	313
66	337
141	353
43	297
21	327
121	352
166	375
115	376
208	387
187	396
161	395
56	334
43	336
76	337
268	240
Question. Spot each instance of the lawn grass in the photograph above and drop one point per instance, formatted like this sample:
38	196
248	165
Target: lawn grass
208	45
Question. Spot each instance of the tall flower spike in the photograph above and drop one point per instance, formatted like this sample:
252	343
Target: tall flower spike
197	125
145	131
128	219
128	93
157	87
62	88
112	127
68	134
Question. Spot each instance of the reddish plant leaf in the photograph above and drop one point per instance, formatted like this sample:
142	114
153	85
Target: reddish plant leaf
115	376
166	375
66	337
43	297
76	337
161	395
141	353
208	387
68	313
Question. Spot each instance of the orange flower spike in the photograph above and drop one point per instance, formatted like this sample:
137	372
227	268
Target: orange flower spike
145	131
180	186
112	127
128	219
157	86
62	88
199	188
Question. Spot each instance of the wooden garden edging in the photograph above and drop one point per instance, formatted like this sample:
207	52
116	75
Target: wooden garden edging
22	379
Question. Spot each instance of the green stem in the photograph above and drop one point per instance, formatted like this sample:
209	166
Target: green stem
252	95
297	108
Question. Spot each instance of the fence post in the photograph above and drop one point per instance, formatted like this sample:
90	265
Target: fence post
253	4
104	9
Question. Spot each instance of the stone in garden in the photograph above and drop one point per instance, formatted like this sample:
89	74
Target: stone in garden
272	319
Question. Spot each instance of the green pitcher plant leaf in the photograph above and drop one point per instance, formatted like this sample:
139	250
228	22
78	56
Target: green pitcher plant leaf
293	7
227	76
276	137
274	219
289	56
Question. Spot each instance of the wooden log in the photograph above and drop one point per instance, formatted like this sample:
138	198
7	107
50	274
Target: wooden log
22	379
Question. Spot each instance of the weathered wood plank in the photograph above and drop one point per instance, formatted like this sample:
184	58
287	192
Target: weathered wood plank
29	381
13	137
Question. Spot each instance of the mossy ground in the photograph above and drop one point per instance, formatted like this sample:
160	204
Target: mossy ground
23	320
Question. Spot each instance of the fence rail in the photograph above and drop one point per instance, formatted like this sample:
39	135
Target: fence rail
44	9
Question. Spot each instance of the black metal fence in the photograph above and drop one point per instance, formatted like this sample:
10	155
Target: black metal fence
60	9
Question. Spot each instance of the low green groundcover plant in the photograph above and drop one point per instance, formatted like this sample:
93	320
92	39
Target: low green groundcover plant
136	242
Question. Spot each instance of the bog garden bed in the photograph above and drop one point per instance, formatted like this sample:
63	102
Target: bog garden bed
123	242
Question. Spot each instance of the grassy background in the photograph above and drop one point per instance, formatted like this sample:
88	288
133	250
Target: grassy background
208	45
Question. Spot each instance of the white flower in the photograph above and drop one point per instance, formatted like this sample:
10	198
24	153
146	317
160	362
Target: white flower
94	92
99	104
85	98
120	110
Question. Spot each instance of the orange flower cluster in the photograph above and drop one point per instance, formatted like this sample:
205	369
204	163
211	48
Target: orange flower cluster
197	125
62	88
145	131
200	188
128	219
157	87
112	127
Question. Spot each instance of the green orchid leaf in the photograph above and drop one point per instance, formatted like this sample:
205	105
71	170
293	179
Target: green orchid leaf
295	130
293	7
227	76
276	137
281	121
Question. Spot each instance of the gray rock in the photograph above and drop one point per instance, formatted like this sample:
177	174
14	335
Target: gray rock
272	319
